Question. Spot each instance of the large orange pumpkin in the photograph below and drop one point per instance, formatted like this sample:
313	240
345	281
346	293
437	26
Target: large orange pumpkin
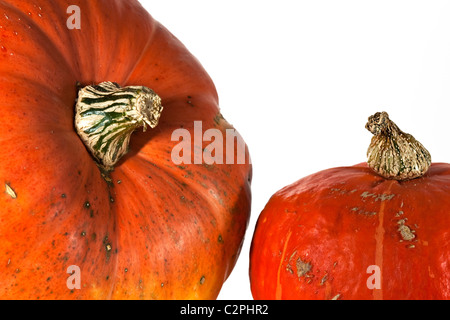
377	230
141	227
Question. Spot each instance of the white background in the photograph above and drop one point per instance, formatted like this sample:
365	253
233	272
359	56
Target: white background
298	79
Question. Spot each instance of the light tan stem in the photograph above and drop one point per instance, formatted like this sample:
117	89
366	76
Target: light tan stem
394	154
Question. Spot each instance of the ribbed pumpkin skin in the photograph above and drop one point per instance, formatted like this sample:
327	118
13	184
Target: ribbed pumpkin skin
160	231
317	238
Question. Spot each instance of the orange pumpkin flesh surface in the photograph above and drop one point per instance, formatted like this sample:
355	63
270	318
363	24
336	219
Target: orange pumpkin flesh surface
349	233
154	230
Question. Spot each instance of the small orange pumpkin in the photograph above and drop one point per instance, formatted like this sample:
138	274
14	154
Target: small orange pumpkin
377	230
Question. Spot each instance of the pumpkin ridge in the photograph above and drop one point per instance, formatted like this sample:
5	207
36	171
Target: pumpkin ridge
142	55
44	87
379	241
279	289
101	38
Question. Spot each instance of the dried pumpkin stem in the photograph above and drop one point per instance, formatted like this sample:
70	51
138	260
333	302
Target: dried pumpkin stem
106	115
394	154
